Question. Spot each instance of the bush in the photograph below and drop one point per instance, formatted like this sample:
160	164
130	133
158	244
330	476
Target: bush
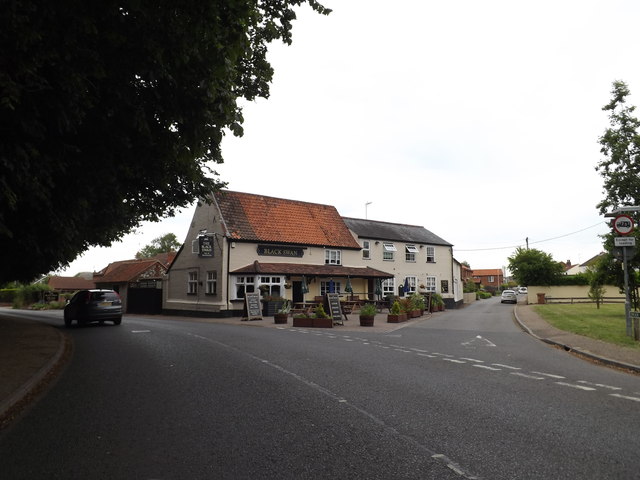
30	294
481	294
7	295
368	310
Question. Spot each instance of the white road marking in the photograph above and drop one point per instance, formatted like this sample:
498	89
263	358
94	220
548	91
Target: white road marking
402	350
442	354
453	360
427	355
140	331
609	387
573	385
626	397
506	366
481	340
526	376
487	367
550	375
472	360
419	350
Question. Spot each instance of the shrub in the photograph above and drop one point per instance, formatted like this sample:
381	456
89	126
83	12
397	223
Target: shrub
368	310
320	313
396	309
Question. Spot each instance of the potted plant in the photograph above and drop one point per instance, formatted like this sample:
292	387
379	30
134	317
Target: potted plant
437	304
396	314
282	314
321	319
302	320
367	314
418	303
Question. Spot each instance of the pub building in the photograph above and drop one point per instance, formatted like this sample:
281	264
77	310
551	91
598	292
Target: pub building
240	243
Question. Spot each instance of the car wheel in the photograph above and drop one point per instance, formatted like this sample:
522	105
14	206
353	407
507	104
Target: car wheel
67	321
117	321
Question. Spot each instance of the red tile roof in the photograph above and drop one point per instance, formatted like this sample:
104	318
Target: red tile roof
316	270
276	220
70	283
130	271
487	272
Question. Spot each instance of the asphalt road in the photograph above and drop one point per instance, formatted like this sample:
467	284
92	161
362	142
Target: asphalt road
463	395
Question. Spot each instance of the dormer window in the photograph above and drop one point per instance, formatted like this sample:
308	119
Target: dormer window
332	257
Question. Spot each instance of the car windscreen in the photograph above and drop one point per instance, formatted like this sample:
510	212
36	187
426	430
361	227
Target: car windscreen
104	297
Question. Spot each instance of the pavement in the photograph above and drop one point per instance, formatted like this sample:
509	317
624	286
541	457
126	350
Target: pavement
32	354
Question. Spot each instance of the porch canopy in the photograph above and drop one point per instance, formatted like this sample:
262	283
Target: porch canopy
311	271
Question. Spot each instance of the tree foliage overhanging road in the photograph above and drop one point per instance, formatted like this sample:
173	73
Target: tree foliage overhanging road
113	113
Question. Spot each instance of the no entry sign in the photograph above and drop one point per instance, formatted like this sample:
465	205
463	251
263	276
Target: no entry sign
623	224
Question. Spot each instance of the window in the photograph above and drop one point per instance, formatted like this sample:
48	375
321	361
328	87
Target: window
387	251
412	285
195	246
410	254
366	249
244	284
271	286
212	283
332	257
430	284
490	279
192	283
431	255
389	287
444	286
326	288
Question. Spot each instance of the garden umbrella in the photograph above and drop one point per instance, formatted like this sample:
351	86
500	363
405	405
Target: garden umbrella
405	288
348	287
332	286
305	287
378	287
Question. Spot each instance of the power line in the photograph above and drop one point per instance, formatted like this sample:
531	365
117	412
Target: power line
536	242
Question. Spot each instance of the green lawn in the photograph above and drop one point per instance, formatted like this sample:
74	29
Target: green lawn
606	323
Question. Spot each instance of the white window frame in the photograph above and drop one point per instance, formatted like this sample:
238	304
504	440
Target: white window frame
366	250
192	282
410	253
430	284
413	281
274	283
389	287
195	246
324	288
431	254
247	283
332	257
388	250
211	287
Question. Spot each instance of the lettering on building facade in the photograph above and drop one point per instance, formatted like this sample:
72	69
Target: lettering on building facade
280	251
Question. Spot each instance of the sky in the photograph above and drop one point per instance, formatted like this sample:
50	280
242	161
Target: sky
476	120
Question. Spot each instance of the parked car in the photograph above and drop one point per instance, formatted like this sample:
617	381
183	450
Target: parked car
523	290
94	306
508	296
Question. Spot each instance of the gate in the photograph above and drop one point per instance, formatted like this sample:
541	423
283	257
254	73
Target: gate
144	301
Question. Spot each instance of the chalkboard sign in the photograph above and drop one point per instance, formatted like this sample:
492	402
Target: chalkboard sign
335	310
252	310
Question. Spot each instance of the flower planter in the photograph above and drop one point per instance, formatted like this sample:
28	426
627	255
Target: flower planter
270	307
415	313
322	322
280	318
305	322
366	320
401	317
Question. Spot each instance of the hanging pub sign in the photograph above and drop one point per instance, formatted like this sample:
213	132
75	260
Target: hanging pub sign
205	242
280	251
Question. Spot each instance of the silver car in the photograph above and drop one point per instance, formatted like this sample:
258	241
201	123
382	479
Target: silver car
94	306
509	296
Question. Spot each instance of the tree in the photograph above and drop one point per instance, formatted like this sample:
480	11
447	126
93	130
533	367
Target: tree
621	147
164	244
534	267
112	113
620	170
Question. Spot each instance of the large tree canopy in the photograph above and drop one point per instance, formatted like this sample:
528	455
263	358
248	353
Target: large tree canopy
112	113
534	267
164	244
620	146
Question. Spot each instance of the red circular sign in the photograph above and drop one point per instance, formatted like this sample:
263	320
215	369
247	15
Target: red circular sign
623	224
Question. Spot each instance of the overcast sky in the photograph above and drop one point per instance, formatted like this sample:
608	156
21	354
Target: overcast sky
477	120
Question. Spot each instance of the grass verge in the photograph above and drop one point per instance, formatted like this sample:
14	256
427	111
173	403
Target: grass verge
606	323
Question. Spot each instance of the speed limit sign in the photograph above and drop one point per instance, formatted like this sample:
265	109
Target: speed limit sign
623	224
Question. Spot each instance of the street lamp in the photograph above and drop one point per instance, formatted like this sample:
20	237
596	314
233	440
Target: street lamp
365	209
